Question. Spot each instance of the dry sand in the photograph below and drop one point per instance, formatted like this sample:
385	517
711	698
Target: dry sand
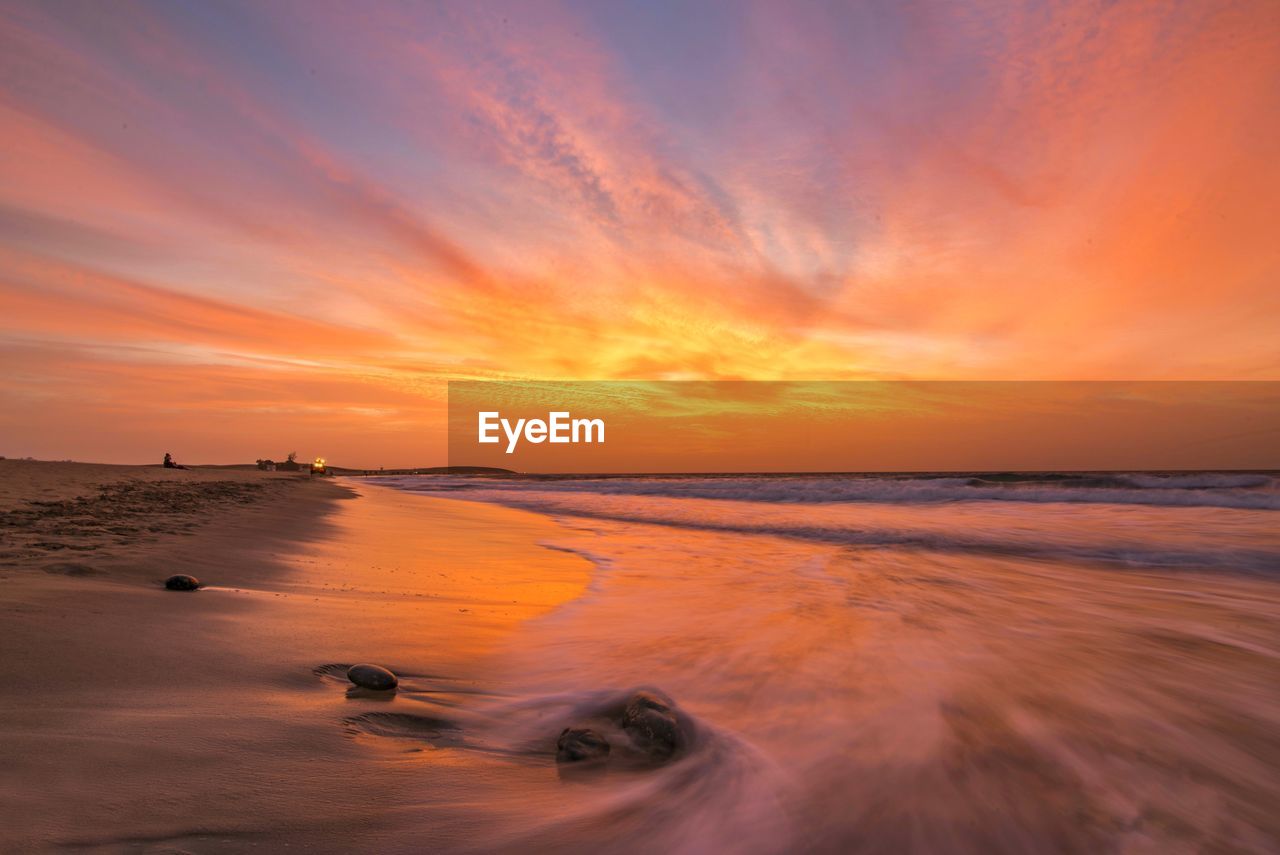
142	720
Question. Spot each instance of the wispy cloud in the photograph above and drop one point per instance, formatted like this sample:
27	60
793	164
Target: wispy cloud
312	210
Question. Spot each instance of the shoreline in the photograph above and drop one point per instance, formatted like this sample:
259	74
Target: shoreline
832	698
136	717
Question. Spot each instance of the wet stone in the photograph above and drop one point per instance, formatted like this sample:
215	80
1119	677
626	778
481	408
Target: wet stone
182	582
652	723
372	677
579	744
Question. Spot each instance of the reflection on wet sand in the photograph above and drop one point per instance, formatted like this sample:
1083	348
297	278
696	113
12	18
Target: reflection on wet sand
758	691
878	699
138	719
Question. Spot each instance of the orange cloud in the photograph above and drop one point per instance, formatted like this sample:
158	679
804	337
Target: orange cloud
302	202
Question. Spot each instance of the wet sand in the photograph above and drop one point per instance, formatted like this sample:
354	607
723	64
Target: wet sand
840	698
136	719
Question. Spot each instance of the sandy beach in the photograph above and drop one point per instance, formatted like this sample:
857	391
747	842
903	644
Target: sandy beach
138	719
630	428
1019	667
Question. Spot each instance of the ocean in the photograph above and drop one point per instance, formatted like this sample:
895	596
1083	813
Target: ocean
972	662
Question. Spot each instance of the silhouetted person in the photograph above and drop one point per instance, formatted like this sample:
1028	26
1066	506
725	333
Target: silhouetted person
169	464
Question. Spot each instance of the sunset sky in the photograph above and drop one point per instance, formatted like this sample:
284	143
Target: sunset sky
234	230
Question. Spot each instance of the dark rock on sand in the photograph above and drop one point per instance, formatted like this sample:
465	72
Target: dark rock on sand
650	719
182	582
372	677
578	744
634	730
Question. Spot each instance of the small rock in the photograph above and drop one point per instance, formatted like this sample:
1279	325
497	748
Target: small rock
182	582
577	744
652	723
372	677
648	699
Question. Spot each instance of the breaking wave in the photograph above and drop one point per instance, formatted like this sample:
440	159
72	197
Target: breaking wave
1243	490
1207	520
